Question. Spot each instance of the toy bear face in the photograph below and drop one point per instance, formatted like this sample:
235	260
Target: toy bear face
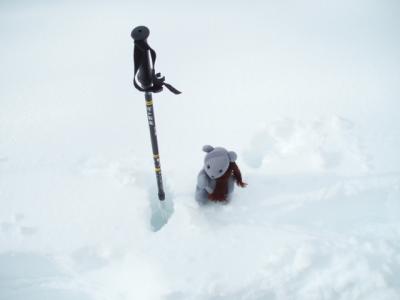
217	161
216	166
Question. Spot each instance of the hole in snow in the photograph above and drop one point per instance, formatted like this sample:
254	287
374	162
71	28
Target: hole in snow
161	211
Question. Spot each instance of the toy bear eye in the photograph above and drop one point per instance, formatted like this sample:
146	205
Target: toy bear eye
220	171
208	166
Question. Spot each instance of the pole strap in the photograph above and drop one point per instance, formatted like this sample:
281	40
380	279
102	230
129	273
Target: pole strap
140	59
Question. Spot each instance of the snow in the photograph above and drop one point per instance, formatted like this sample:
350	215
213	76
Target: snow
305	92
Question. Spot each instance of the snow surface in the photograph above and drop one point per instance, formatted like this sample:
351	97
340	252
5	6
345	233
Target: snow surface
306	92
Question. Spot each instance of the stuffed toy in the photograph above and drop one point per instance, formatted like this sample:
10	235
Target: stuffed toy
215	181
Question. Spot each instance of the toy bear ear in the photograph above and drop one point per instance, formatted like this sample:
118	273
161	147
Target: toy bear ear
208	148
232	156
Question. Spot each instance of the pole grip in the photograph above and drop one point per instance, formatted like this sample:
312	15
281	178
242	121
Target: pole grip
141	53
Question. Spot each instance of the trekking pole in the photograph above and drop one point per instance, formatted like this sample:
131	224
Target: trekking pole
148	81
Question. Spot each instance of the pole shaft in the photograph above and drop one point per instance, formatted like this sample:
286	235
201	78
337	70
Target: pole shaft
154	143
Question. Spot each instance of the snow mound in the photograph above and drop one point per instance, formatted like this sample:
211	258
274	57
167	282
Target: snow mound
325	145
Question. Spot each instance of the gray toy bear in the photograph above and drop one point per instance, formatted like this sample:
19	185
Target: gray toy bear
215	181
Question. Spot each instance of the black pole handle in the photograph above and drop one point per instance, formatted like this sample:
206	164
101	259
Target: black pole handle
143	69
145	78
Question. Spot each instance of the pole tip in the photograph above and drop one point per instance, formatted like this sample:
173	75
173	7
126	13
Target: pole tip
161	196
140	33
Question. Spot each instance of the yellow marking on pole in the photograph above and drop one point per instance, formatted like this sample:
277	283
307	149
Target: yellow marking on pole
158	170
149	103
